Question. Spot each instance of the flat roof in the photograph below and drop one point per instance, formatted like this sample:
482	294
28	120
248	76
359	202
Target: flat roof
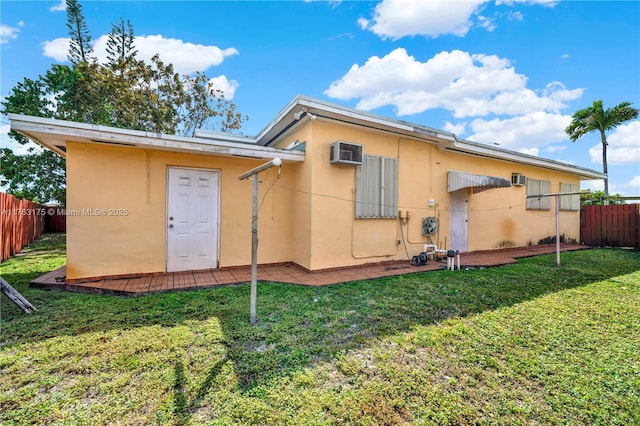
54	135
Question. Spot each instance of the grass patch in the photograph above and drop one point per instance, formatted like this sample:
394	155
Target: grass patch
521	344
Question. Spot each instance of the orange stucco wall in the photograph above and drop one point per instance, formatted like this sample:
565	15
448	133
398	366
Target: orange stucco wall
306	216
331	237
112	179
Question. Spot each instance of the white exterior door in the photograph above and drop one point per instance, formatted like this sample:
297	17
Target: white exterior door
192	219
459	219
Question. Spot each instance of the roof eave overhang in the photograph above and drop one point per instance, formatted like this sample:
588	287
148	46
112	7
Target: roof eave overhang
481	150
286	122
54	135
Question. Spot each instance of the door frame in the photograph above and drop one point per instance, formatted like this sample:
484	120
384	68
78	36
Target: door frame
166	213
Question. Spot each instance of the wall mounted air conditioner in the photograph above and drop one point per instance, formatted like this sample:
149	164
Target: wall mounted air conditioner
518	180
346	153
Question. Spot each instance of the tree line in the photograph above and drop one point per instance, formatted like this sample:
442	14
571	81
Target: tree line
124	92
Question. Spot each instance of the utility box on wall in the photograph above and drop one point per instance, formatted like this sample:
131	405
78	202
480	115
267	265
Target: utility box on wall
346	153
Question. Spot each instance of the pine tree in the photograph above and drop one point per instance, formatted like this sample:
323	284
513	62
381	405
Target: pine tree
120	46
126	93
80	48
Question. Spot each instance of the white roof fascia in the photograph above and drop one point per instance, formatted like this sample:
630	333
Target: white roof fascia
446	141
332	111
479	149
288	109
39	129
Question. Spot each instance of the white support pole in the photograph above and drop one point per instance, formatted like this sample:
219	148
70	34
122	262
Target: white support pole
254	233
557	201
254	250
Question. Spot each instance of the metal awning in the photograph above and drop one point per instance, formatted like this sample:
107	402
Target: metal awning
479	183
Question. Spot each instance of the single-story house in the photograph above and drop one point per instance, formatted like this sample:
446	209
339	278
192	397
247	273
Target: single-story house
354	188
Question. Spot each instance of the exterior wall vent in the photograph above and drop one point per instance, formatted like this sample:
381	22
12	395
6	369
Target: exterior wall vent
518	180
346	153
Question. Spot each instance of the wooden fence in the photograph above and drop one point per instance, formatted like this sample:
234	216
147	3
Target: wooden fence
21	221
615	225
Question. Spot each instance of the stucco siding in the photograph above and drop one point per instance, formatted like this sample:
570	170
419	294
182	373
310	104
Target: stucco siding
112	179
496	218
307	215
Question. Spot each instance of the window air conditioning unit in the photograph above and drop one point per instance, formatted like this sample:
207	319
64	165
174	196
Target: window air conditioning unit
518	180
346	153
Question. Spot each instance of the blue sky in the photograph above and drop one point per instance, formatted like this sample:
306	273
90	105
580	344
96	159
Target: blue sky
506	72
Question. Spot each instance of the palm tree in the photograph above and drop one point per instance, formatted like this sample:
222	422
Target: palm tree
594	118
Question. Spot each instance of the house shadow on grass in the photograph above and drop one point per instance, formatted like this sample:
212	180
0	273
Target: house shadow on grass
300	326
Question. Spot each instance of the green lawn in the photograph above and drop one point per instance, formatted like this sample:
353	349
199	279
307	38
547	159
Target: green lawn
523	344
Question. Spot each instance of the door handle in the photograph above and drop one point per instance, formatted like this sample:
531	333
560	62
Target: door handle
170	217
171	226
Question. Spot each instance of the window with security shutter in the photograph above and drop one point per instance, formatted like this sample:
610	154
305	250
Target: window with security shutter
538	187
569	202
377	188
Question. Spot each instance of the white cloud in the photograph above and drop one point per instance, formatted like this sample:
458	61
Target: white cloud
466	84
8	33
525	132
332	3
565	56
546	3
59	7
4	133
398	18
623	148
7	142
594	185
227	86
634	183
486	23
186	57
395	19
457	129
56	49
516	16
342	35
556	148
